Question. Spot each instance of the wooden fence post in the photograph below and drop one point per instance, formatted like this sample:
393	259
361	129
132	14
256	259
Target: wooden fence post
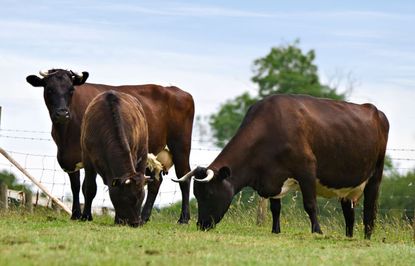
55	207
261	211
3	197
37	183
28	201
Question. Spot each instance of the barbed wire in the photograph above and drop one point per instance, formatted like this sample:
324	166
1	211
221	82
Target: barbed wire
25	131
26	138
193	140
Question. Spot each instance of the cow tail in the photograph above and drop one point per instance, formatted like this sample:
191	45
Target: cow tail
113	102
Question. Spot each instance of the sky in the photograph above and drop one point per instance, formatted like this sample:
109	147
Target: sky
206	48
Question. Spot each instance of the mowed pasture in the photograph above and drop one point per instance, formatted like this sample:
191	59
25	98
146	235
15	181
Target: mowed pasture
48	238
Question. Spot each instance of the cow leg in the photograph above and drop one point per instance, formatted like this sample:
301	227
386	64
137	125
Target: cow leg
185	213
348	213
371	194
275	206
89	188
75	187
308	189
181	150
152	190
181	164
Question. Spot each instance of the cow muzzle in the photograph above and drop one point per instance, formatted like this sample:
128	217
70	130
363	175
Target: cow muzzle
205	225
61	115
131	223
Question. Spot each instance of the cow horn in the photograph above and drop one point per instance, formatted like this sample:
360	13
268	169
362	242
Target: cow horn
76	74
209	176
43	73
185	177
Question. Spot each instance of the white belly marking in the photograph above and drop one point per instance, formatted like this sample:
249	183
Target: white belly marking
352	193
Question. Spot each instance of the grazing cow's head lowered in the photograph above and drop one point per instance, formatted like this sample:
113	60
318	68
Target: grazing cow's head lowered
59	86
127	196
213	193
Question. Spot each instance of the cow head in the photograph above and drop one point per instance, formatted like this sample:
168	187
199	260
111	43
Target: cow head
59	86
127	196
213	193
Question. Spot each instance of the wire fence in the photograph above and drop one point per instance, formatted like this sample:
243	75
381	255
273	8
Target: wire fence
28	148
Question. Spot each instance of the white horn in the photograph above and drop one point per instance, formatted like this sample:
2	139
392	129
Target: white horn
43	73
77	74
185	177
209	176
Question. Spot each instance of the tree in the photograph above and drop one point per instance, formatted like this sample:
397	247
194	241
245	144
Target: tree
286	69
227	120
11	181
397	194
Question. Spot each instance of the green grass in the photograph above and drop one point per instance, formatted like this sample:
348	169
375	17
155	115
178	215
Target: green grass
47	238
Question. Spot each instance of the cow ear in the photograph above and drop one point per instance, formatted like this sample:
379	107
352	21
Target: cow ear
224	172
115	182
35	81
81	80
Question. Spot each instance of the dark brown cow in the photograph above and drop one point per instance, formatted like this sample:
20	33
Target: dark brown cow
114	143
169	112
326	147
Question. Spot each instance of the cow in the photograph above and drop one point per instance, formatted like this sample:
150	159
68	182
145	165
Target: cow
324	147
114	144
169	112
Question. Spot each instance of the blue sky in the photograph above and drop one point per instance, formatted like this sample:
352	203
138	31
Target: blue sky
206	48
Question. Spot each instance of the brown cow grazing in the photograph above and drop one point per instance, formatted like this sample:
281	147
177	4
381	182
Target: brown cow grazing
326	147
114	143
169	112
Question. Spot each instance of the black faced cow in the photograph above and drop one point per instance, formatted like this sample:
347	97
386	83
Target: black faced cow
114	143
169	112
326	147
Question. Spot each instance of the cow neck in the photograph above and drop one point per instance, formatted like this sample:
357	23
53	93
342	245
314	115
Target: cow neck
60	132
238	178
120	168
120	161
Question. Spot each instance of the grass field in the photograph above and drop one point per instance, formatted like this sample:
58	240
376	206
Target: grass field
47	238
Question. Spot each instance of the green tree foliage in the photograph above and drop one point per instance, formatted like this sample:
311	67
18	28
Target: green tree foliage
10	180
397	194
229	117
286	69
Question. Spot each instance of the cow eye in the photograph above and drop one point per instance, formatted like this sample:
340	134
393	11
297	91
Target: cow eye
71	90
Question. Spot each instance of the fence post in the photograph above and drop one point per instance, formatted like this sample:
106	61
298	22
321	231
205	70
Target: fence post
55	207
3	197
261	211
28	201
37	183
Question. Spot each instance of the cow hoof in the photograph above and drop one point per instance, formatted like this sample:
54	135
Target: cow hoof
183	221
86	218
76	216
145	219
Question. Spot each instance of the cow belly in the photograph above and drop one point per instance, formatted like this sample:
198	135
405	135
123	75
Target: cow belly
352	193
289	185
78	167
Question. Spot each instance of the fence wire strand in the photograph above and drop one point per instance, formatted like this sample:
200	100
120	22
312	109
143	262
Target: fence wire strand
56	179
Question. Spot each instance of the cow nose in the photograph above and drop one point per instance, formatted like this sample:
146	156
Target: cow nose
204	225
63	112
